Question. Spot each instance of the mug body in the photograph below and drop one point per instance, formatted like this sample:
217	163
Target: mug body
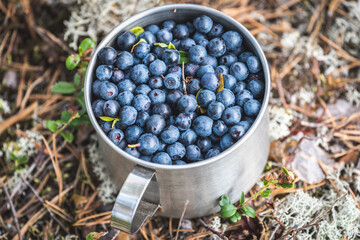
201	184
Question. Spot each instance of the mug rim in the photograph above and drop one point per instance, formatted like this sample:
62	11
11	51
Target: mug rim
121	27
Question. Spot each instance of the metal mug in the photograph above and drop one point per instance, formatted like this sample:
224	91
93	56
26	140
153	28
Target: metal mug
147	186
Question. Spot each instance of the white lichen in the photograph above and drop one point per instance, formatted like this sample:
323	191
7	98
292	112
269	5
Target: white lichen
90	18
4	108
290	39
352	95
280	122
16	180
302	97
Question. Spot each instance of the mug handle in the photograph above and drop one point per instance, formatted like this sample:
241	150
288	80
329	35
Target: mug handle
138	199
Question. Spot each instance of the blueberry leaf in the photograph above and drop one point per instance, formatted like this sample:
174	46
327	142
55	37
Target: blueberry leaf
238	216
242	198
108	119
224	200
140	41
221	86
114	122
233	218
77	79
137	30
51	125
228	210
287	185
163	45
248	211
63	87
72	61
86	44
13	156
68	136
171	46
266	193
22	159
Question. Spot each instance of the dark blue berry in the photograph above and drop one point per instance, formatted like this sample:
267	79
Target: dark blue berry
204	69
175	69
149	59
237	131
172	81
202	125
128	115
176	151
205	97
199	36
231	115
171	57
219	128
190	27
152	28
244	56
106	126
146	158
226	97
149	144
243	96
253	64
186	44
96	87
126	85
141	102
222	69
116	136
108	91
183	121
157	96
212	153
157	67
164	36
188	137
245	124
107	55
142	117
197	54
239	70
210	81
176	43
179	162
162	158
187	104
104	72
173	96
126	40
194	86
215	110
203	24
97	107
210	60
140	74
133	133
149	37
169	24
163	109
216	31
132	151
252	108
124	60
204	43
111	108
226	141
117	76
256	87
229	81
142	89
216	47
193	153
141	50
228	59
204	144
239	86
170	134
190	69
155	82
155	124
180	31
232	40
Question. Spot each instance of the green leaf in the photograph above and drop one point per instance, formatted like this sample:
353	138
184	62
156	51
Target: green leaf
287	185
94	236
171	46
285	170
184	59
183	54
265	183
108	119
63	87
22	159
238	215
221	86
51	125
114	122
163	45
140	41
68	136
242	198
85	45
228	210
224	200
137	30
77	79
13	156
233	218
266	193
248	211
72	61
66	115
197	94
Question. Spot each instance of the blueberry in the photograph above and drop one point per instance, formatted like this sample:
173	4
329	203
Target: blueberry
142	89
120	125
164	36
163	109
210	81
157	67
204	69
176	43
199	36
117	76
179	162
202	125
256	87
186	44
155	82
142	117
183	121
181	31
155	124
176	151
229	81
228	59
106	126
212	153
157	96
188	137
190	27
111	108
126	85
216	47
169	24
172	81
173	96
203	24
205	97
226	141
251	120
158	51
197	54
226	97
204	144
126	40
104	72
244	56
216	31
243	96
107	55
141	50
136	60
149	144
239	71
162	158
108	91
194	86
132	151
141	102
97	107
96	87
239	86
237	131
187	104
252	108
214	138
231	115
116	136
219	128
149	59
232	40
170	120
175	69
245	124
210	60
171	57
146	158
170	134
128	115
124	60
253	64
162	147
193	153
140	74
215	110
204	43
149	37
152	28
133	133
122	145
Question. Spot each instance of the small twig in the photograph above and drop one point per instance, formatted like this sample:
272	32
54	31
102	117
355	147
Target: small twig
327	175
354	197
12	209
181	218
213	230
183	78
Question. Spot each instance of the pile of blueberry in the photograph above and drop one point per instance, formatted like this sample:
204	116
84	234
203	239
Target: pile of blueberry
179	93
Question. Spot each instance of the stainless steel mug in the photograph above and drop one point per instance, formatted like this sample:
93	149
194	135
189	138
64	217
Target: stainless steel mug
147	186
